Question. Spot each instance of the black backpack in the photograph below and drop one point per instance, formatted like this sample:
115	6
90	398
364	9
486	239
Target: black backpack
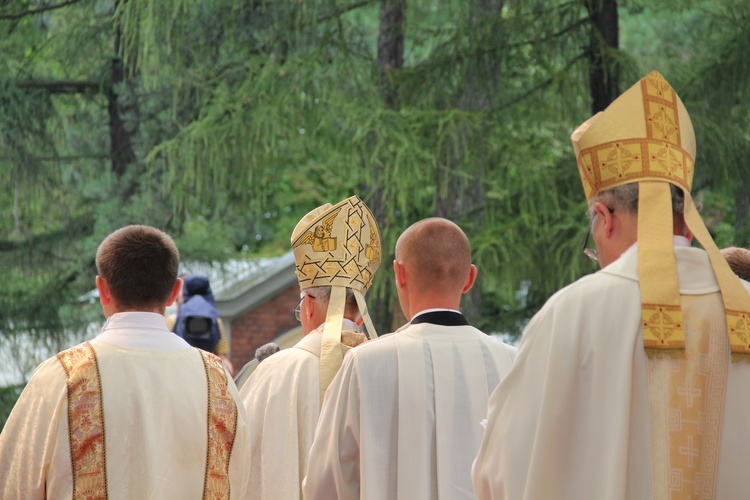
197	319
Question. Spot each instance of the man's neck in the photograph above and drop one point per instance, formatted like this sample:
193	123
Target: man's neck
115	310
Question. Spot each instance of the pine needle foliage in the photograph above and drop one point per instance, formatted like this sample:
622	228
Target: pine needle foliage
243	116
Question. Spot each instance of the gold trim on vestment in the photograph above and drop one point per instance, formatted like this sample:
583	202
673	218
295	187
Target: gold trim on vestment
686	394
646	136
221	429
733	293
85	422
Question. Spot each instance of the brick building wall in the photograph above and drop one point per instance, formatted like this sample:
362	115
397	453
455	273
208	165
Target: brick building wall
262	325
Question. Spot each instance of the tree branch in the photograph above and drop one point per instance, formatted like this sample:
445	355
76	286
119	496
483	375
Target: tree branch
37	10
102	156
540	86
61	86
343	10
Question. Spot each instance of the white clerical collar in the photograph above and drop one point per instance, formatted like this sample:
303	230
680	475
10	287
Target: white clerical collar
140	330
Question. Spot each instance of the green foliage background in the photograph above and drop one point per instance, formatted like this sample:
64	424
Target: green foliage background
242	116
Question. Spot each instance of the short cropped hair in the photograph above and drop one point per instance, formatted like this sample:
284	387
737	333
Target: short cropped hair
139	264
625	197
437	253
739	260
323	295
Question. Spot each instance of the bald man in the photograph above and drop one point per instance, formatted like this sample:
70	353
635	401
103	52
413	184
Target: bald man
402	418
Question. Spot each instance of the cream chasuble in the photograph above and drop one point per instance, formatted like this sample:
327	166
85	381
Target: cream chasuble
587	413
402	418
282	400
152	418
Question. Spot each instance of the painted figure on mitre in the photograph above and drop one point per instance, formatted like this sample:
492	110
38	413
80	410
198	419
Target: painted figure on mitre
351	264
320	238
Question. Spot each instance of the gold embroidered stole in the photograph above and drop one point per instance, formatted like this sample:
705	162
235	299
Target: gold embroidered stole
86	425
686	397
222	428
85	422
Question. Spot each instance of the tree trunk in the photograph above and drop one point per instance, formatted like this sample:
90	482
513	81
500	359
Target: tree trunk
391	48
390	61
121	146
604	74
121	139
460	196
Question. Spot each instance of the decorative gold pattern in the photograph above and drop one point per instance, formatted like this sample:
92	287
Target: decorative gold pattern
85	422
660	104
663	327
320	238
352	263
739	333
687	390
372	251
619	162
222	428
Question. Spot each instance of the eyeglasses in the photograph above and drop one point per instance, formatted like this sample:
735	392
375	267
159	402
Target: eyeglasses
298	307
591	252
588	252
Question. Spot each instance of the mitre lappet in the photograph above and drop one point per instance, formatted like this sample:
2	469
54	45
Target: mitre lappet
337	246
646	136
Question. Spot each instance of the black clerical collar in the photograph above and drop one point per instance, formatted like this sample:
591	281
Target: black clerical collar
442	318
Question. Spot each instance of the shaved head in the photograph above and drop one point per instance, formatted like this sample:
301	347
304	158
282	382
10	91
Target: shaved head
436	253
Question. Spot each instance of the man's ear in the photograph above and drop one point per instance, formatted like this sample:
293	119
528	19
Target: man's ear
607	216
470	279
309	306
176	289
105	296
400	272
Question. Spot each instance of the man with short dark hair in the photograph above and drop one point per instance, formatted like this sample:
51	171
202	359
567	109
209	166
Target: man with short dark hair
402	418
135	412
283	395
630	383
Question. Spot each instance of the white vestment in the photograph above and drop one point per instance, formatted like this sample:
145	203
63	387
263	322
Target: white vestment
155	411
573	419
403	416
282	400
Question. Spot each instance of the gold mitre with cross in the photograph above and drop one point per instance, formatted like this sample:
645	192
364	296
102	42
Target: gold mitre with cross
646	136
337	246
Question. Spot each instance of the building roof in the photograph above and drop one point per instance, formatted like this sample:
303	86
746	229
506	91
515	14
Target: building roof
242	284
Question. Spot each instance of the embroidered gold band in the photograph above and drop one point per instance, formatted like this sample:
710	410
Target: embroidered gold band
686	399
620	162
657	269
85	422
736	298
222	428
